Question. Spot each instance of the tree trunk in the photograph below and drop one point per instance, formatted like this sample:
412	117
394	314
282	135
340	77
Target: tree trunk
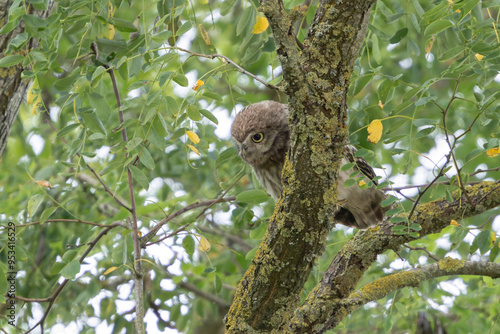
12	87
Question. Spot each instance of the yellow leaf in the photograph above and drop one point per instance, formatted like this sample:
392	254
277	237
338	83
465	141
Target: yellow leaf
32	92
428	47
454	223
110	32
110	270
45	184
375	131
194	149
362	183
493	152
139	233
204	245
493	237
479	56
204	34
260	26
193	137
198	84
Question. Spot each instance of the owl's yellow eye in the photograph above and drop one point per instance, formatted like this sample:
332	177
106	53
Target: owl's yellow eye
258	137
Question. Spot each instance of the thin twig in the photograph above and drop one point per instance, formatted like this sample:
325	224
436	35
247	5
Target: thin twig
139	292
165	220
93	172
411	186
69	221
421	193
229	61
56	293
459	172
425	250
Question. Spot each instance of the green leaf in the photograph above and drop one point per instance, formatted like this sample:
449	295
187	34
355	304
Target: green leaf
394	211
416	227
71	269
124	25
57	267
94	124
209	270
67	129
3	282
484	241
34	203
243	23
389	201
227	154
424	133
376	49
252	196
183	28
213	95
347	167
259	232
401	309
47	213
227	6
188	244
18	41
193	113
133	143
217	284
146	159
209	115
495	250
9	61
251	254
437	26
100	105
397	220
139	176
111	167
458	234
384	90
181	80
98	71
399	35
349	183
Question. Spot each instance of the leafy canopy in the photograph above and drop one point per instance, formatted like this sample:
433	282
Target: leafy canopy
427	76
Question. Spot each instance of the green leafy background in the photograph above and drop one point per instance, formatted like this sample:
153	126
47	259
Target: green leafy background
75	100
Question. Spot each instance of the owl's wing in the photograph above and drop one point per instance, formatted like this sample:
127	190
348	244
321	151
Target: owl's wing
361	164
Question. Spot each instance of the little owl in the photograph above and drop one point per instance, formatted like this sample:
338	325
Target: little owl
262	136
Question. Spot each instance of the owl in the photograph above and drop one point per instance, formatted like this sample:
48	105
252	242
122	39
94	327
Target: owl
262	137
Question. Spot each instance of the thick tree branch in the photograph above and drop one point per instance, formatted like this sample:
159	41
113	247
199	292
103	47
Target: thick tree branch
321	305
382	287
316	81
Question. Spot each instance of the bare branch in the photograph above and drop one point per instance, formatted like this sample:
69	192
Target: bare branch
152	233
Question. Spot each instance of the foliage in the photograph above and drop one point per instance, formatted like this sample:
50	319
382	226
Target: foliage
427	71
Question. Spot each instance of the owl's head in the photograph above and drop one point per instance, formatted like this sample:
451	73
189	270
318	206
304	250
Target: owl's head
261	133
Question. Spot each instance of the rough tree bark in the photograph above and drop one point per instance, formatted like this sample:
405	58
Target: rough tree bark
316	79
12	88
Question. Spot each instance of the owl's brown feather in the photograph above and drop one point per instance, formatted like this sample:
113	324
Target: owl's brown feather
268	119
